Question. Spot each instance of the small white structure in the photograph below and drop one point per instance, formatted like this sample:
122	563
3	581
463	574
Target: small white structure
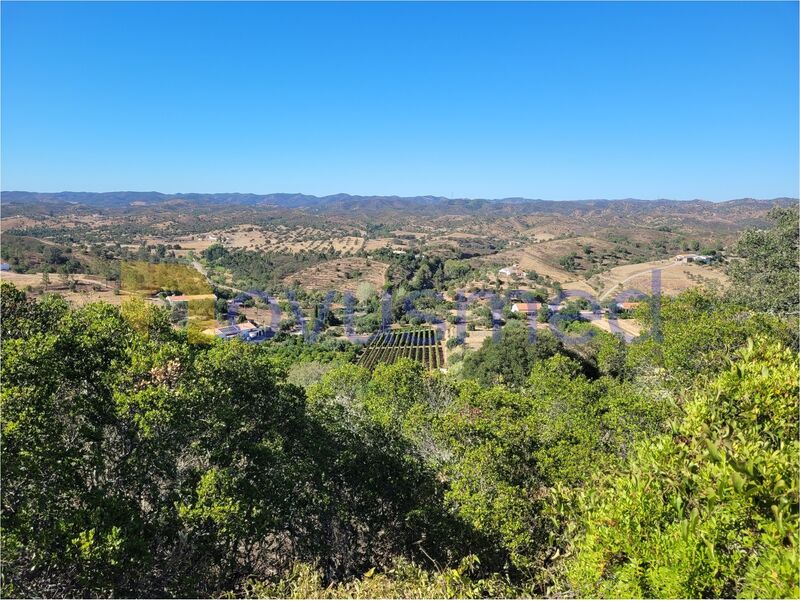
692	258
512	271
247	330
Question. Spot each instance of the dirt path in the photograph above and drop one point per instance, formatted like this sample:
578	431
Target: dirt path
636	275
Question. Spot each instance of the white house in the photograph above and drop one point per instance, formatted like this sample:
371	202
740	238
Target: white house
512	271
692	258
246	330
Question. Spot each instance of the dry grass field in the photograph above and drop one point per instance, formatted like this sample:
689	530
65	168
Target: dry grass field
88	288
10	223
84	295
253	237
21	280
245	236
475	338
378	243
675	277
346	244
528	259
340	274
552	250
196	243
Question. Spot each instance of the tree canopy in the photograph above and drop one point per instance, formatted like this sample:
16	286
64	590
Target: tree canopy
140	460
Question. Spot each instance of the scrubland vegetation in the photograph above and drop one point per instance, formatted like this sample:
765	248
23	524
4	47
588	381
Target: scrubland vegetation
141	460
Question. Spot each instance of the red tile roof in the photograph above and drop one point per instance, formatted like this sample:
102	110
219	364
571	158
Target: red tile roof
526	307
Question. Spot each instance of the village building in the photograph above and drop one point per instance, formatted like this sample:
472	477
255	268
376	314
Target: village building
247	330
526	308
692	258
185	298
512	271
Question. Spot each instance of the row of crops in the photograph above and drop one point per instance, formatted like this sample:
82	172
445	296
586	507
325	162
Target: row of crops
419	344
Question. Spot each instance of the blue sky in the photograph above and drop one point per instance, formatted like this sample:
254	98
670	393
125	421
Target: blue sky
542	100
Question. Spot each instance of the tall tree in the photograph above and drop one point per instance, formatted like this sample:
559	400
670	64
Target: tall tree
767	278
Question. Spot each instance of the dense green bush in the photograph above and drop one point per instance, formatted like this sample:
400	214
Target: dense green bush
139	460
711	508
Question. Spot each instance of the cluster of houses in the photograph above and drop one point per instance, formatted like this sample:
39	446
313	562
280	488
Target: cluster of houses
530	309
249	331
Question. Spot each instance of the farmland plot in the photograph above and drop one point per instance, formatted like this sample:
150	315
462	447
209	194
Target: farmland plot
419	344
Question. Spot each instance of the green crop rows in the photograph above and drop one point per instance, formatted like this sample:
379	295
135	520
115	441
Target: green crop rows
419	344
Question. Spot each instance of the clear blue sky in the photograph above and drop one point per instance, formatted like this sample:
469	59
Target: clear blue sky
543	100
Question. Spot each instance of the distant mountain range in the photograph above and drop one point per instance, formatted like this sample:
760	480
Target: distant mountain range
348	201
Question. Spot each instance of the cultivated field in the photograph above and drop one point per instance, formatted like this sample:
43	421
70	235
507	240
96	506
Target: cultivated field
419	344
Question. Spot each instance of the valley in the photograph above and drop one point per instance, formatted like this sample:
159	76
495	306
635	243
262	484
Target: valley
297	249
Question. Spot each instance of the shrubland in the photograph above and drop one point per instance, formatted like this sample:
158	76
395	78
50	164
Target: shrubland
142	461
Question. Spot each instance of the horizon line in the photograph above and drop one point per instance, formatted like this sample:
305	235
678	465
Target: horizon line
416	196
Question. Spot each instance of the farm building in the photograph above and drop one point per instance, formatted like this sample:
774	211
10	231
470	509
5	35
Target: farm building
691	258
245	329
526	308
185	298
512	271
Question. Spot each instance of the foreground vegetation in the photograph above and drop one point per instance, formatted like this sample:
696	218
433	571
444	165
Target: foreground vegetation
142	461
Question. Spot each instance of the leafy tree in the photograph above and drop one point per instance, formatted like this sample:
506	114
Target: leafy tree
583	423
510	359
456	270
137	463
543	315
568	261
768	277
402	579
366	291
698	332
140	460
711	509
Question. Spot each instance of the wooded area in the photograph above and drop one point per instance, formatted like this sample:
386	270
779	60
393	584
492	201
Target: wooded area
141	461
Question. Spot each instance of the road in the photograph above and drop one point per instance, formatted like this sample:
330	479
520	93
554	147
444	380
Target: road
199	267
636	275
